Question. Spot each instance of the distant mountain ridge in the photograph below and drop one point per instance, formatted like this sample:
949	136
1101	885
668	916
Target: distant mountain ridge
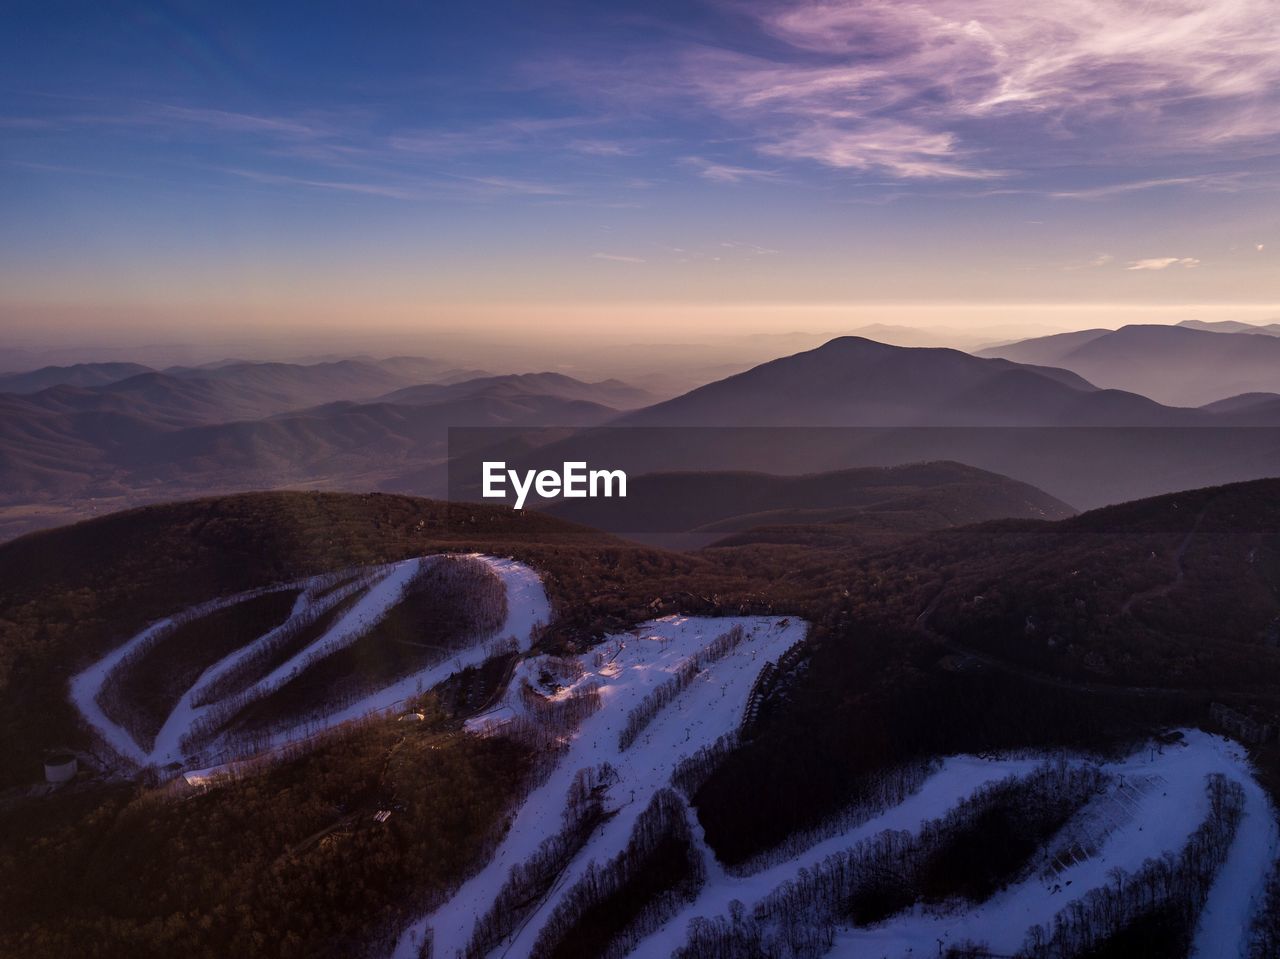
851	381
1233	326
234	426
614	393
1181	365
80	374
855	403
852	402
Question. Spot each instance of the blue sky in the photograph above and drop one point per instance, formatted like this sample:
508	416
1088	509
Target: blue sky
399	163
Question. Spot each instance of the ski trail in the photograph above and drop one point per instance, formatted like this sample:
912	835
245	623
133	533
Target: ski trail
697	717
527	609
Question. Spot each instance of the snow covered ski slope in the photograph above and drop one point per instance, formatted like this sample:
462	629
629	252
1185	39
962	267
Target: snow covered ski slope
365	596
1148	806
625	670
623	732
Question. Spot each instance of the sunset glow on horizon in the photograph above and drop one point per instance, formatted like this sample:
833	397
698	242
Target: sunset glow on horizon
194	170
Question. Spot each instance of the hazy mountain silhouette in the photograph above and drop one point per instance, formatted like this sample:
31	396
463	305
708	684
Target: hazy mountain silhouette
81	374
853	381
1175	365
239	426
1233	326
855	403
289	386
1244	403
221	392
343	440
613	393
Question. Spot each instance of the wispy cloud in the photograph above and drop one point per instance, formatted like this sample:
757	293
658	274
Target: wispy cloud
494	136
1210	181
418	188
338	186
1163	263
336	152
512	185
1095	262
618	258
984	89
232	122
171	118
898	149
603	148
726	173
752	248
26	123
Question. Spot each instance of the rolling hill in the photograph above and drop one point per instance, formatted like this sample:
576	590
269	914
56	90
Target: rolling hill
79	374
243	426
120	571
237	390
870	501
293	385
613	393
360	443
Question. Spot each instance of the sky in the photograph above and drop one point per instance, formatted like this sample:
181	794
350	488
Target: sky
180	169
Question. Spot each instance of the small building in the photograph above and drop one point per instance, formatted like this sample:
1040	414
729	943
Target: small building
60	767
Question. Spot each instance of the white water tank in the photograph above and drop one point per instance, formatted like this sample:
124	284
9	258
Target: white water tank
60	767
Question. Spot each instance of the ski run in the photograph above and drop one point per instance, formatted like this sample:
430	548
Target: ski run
1168	783
380	589
658	698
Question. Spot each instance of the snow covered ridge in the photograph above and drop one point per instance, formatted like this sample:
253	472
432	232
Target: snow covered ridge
1185	824
331	613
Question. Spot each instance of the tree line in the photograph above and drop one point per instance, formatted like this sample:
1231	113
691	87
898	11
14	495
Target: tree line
1176	884
615	904
529	881
874	878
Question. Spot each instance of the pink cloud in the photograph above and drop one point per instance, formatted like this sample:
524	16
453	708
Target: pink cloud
985	88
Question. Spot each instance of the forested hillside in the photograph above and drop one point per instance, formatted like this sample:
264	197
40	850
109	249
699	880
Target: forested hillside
1090	633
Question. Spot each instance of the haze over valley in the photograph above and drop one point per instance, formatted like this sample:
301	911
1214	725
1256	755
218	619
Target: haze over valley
89	438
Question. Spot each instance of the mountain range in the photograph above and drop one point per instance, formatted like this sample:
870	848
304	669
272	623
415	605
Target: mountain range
186	431
1181	365
70	449
855	403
